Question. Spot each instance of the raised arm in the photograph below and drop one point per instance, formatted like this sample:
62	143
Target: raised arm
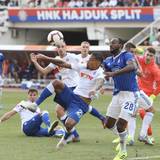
41	69
131	65
7	115
55	61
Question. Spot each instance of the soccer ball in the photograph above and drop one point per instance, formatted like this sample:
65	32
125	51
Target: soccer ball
55	37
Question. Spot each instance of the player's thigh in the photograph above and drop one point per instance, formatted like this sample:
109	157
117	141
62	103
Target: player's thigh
114	109
144	101
128	103
75	113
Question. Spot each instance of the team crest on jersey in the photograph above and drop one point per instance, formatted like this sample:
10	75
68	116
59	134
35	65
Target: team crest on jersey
86	76
79	113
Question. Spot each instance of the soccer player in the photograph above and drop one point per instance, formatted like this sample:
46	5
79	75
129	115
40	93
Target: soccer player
84	56
122	67
75	102
1	80
144	102
67	77
149	82
31	122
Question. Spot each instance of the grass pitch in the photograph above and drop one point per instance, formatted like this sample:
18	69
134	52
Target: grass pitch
95	142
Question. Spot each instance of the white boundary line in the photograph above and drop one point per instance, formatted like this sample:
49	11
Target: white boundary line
144	158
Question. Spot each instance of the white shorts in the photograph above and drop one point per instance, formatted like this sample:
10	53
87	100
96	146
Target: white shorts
123	105
144	101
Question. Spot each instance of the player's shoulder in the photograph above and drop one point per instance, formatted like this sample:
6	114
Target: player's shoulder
108	59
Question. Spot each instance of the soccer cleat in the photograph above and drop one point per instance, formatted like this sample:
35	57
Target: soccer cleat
122	155
59	132
72	138
130	141
146	140
61	143
52	127
29	105
118	147
117	140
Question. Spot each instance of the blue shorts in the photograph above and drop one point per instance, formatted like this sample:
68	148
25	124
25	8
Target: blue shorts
56	99
31	127
74	105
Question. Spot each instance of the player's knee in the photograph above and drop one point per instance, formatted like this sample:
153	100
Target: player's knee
121	125
57	84
110	122
151	109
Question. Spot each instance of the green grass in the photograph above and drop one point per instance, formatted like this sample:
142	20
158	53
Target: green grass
95	142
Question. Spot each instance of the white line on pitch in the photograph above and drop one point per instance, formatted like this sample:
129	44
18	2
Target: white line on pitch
144	158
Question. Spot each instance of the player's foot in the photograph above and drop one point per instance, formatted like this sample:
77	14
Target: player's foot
130	141
152	139
52	127
61	143
117	140
118	147
28	105
122	155
59	132
146	140
72	138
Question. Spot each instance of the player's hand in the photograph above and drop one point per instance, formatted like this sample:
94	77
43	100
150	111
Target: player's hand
40	56
108	74
93	95
33	57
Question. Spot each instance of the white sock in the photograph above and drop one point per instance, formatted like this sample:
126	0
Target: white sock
63	117
132	127
50	87
114	130
146	122
123	138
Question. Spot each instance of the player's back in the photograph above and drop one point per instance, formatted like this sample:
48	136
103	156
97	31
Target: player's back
126	81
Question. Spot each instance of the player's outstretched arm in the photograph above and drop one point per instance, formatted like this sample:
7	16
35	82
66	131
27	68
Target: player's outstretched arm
7	115
42	70
58	62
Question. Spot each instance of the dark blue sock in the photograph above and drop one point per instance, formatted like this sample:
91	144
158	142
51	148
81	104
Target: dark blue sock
96	113
45	94
67	134
75	133
46	119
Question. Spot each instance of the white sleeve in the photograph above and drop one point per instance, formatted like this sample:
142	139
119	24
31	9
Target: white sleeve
52	66
78	66
100	74
18	108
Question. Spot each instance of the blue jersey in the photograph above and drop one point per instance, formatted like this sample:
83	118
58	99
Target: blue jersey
125	81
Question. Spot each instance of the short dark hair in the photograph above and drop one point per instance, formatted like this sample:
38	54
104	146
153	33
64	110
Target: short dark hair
151	50
98	56
130	45
32	90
